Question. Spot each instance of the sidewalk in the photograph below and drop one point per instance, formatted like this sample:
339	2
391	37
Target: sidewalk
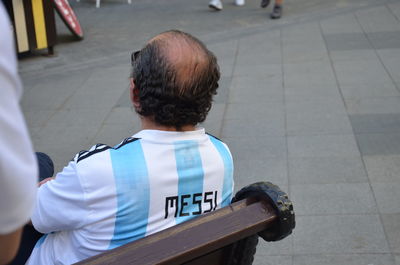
310	102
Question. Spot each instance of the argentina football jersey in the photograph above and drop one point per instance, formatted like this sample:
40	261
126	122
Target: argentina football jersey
149	182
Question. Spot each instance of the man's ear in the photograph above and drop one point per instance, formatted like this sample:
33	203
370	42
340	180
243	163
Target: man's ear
134	93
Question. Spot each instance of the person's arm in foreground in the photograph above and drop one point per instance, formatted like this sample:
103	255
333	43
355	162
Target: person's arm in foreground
18	169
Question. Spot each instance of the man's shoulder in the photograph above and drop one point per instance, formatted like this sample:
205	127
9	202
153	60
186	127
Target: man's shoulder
100	148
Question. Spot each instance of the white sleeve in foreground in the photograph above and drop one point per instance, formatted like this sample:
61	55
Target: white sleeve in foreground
18	166
61	203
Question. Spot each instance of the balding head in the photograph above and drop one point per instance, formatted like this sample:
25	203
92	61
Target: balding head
186	55
176	77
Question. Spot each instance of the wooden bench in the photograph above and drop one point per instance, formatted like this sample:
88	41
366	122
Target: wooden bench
225	236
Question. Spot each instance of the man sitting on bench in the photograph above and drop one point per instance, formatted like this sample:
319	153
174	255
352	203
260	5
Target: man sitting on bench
169	172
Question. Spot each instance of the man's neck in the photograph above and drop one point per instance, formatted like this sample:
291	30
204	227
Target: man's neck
150	125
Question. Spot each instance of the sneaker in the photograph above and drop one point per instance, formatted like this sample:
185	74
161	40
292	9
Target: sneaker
264	3
215	4
239	2
276	12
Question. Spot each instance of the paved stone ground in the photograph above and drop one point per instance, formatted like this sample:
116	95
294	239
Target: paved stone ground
310	102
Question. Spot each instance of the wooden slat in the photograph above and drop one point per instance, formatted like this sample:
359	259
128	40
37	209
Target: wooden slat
194	238
20	26
50	22
40	27
30	24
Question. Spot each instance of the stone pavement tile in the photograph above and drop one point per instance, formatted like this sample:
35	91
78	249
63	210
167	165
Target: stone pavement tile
113	134
222	95
310	67
387	196
77	118
278	248
271	260
37	118
122	115
262	94
302	32
361	73
27	83
325	170
260	49
34	132
378	105
377	19
269	71
395	8
317	123
362	91
347	41
225	53
298	52
346	23
353	259
342	198
124	100
269	125
303	43
66	133
308	106
259	147
57	136
375	123
354	55
379	143
113	80
214	120
316	92
339	234
383	168
322	146
62	142
61	157
312	73
54	92
257	111
385	40
260	169
391	60
397	258
226	67
261	42
258	58
261	89
391	223
264	119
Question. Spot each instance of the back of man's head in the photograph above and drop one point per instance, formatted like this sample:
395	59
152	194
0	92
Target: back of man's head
176	77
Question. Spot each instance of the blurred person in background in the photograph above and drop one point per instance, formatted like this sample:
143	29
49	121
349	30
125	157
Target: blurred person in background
277	9
217	4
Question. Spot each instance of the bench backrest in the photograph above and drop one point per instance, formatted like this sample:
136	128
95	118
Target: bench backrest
225	236
195	238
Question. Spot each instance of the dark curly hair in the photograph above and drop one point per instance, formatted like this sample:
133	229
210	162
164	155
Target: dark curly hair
177	77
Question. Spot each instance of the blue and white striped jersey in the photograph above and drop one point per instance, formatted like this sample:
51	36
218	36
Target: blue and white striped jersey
107	197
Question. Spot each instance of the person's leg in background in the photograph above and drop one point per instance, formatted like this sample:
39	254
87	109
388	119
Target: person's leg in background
217	4
29	235
277	9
